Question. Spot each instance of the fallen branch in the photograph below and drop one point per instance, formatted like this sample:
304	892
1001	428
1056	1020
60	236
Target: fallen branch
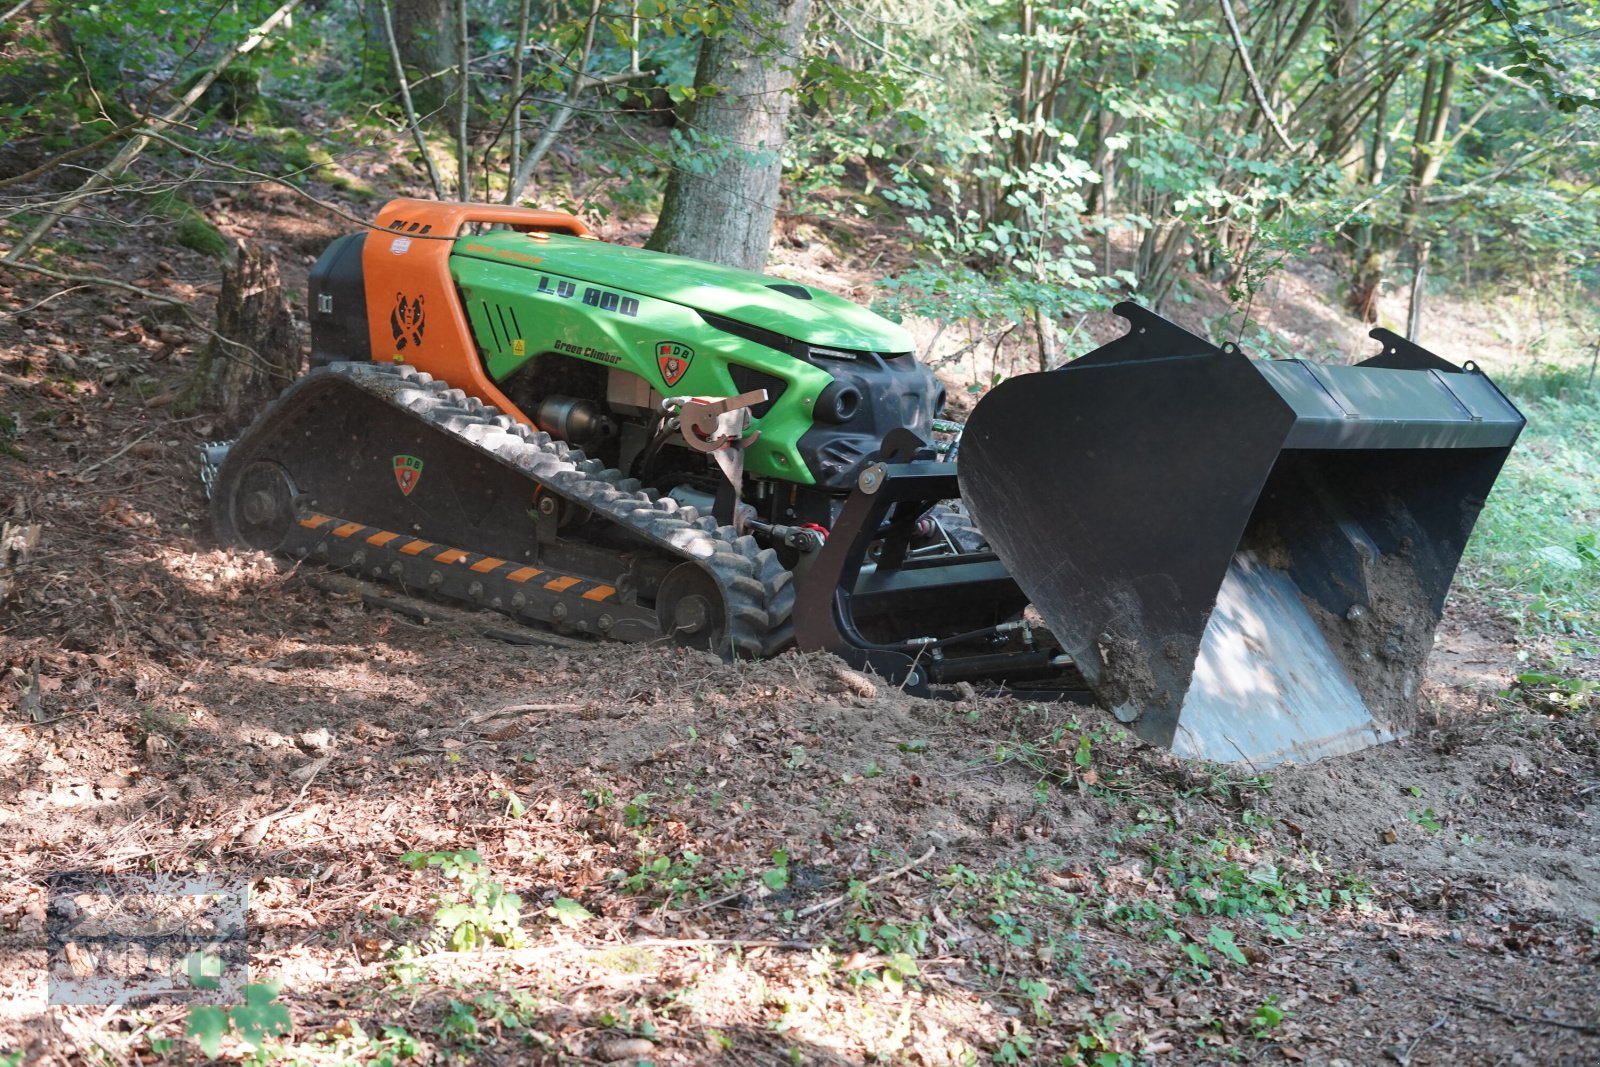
696	942
1583	1028
523	709
279	179
112	283
832	902
256	833
71	154
15	11
118	454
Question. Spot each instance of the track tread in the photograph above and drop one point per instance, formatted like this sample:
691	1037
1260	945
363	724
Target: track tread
757	589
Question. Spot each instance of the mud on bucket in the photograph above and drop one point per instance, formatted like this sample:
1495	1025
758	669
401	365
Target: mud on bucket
1246	559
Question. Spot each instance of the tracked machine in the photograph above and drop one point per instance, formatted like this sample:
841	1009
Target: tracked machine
1242	559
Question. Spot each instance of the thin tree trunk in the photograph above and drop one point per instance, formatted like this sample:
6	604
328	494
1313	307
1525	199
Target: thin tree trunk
1255	83
516	84
1427	158
464	57
1414	315
723	208
405	101
580	81
15	11
427	40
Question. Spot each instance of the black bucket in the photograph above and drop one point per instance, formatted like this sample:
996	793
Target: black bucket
1246	559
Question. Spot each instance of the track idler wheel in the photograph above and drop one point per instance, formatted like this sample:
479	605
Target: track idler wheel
258	510
690	608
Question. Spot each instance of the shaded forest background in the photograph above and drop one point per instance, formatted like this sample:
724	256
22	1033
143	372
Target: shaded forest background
1039	161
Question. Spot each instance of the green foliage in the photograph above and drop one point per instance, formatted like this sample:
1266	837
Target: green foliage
1536	548
1032	260
1253	886
668	877
234	96
777	876
1555	693
636	813
1097	1044
103	61
1428	819
1221	939
1267	1016
8	437
260	1017
477	912
1533	58
569	912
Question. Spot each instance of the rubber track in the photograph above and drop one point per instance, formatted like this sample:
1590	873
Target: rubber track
757	589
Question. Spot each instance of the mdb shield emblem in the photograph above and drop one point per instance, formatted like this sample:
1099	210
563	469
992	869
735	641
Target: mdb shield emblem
673	359
408	472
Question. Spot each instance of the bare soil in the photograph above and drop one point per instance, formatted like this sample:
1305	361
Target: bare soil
962	879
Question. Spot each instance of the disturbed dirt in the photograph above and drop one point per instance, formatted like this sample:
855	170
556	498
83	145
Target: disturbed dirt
772	861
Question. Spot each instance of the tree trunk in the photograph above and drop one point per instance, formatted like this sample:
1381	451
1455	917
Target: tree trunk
1341	138
253	311
1366	258
1427	157
425	32
720	204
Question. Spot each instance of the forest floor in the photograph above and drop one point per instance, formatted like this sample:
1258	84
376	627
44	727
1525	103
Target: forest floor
737	863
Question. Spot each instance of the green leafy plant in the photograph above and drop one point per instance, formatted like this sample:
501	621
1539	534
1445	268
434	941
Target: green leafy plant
8	437
477	911
569	912
259	1018
1535	554
1427	818
1267	1016
636	812
1555	693
665	876
514	805
777	876
1036	995
1221	939
1014	1049
1097	1044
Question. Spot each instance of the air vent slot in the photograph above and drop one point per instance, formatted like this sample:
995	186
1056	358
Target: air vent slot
502	323
769	338
748	378
799	292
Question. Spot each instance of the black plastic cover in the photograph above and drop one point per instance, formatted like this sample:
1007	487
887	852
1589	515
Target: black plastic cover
337	304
